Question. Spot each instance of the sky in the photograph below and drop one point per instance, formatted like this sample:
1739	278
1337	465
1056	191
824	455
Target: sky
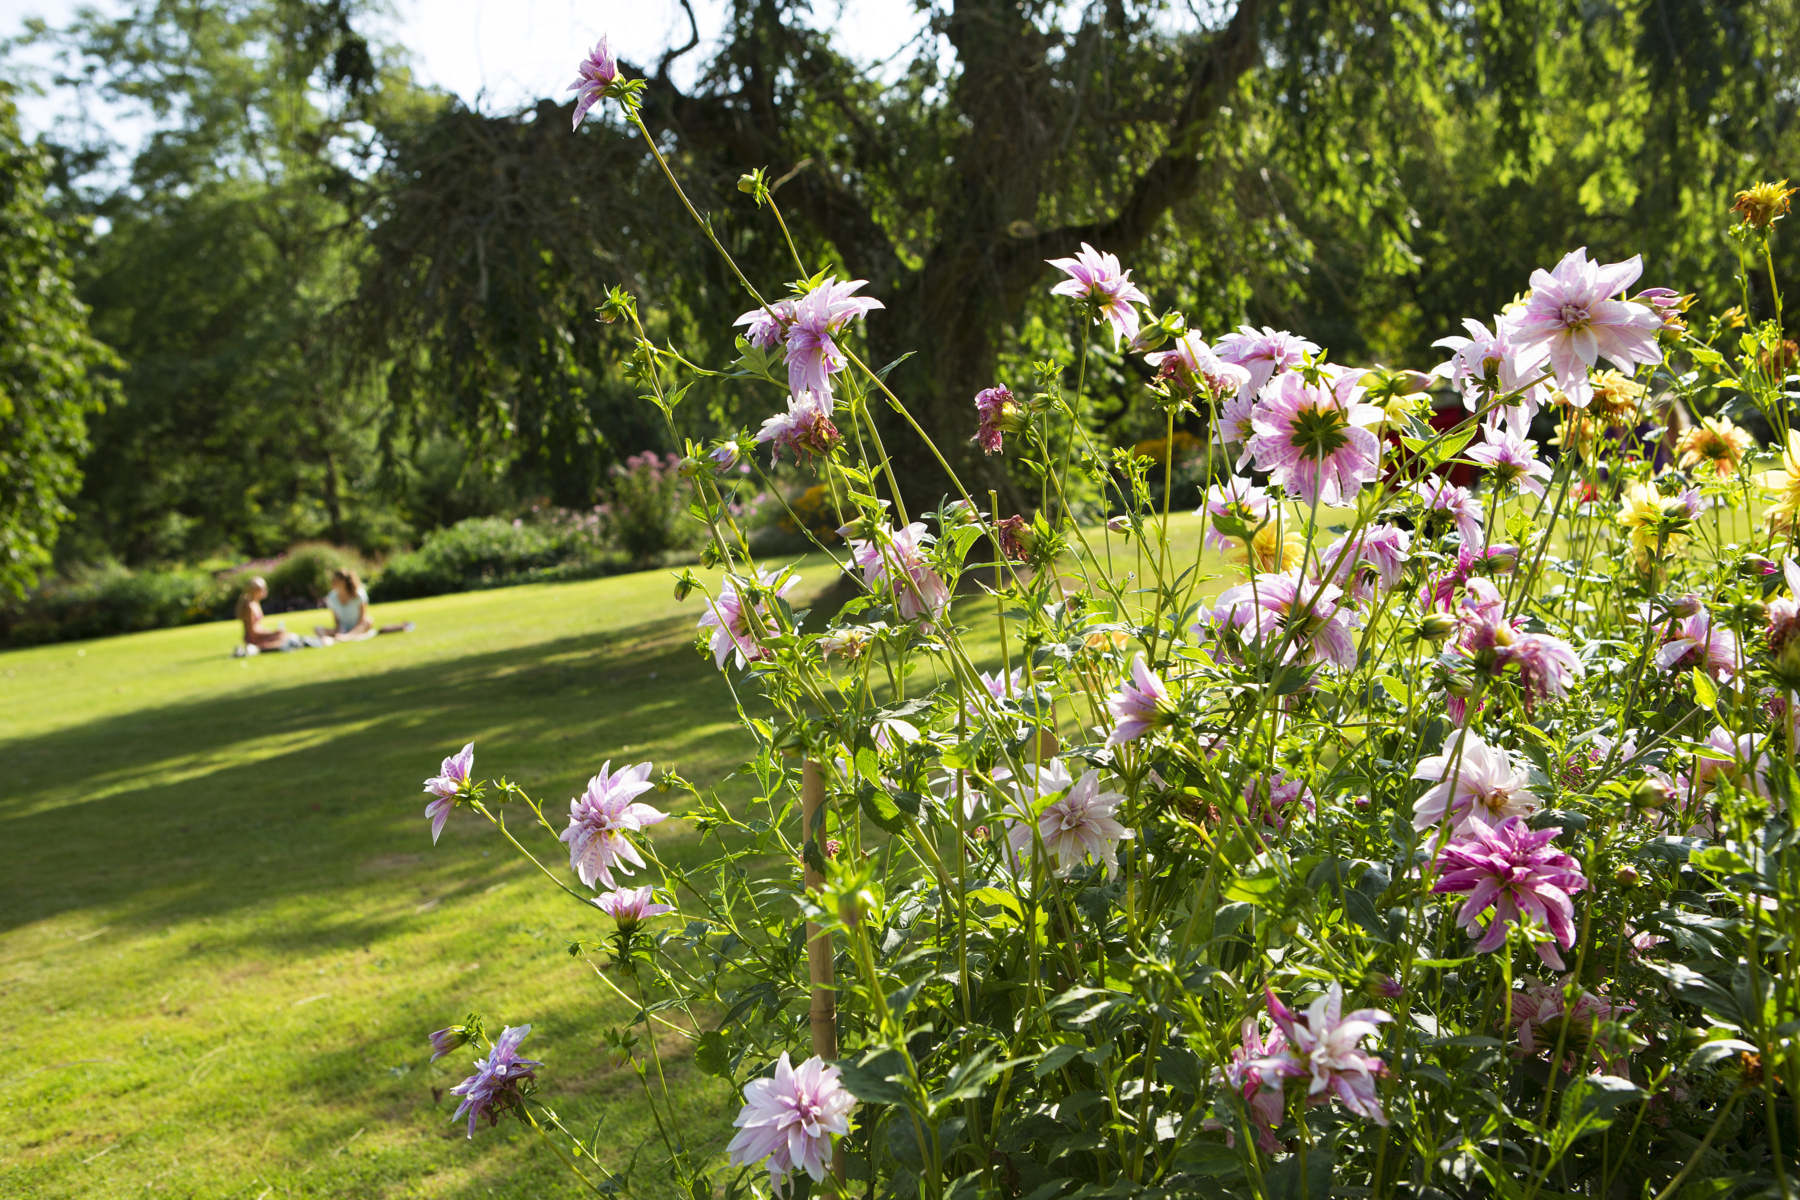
504	54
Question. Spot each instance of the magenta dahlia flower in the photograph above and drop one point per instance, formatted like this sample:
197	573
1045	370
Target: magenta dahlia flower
601	819
1077	825
1141	704
1264	353
1098	277
1327	1045
804	429
1573	317
1381	549
630	907
1194	369
1491	365
1257	1068
1744	760
789	1118
494	1087
597	72
728	616
1000	414
1464	510
1272	799
1310	438
447	785
1510	458
1486	783
1237	425
1236	499
899	555
1513	870
1694	642
813	356
1270	604
1547	665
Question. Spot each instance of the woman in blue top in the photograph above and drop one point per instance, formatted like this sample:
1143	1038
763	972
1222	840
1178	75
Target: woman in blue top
348	601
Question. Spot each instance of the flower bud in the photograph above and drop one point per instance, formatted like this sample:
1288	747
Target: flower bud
1755	566
961	512
445	1040
1118	524
1017	538
1687	605
684	585
1437	626
747	183
725	456
1384	987
1626	876
1463	686
1651	794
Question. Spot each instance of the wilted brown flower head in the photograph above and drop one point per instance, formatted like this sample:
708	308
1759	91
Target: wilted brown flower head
1763	204
1616	399
1715	445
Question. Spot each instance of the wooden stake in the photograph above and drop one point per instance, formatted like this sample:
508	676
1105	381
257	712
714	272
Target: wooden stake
818	942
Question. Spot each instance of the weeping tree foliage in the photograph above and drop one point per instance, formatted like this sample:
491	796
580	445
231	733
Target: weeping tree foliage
1366	173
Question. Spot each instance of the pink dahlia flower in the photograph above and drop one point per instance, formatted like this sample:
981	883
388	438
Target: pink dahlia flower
812	356
1327	1045
597	72
899	555
789	1118
1077	825
1098	277
1194	369
1510	458
1270	799
1539	1004
1237	425
999	413
630	907
1464	510
495	1085
1485	784
1140	705
1695	643
1515	871
1489	365
1263	353
1382	549
601	819
1571	314
1270	605
728	616
768	326
1547	665
1257	1069
1236	499
804	429
447	785
1310	438
1743	760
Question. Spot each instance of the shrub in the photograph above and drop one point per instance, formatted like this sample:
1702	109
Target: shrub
109	600
479	552
647	516
303	575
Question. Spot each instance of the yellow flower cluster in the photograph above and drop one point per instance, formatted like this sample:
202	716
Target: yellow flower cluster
1658	524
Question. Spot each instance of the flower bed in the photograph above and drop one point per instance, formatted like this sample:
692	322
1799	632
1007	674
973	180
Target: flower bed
1444	851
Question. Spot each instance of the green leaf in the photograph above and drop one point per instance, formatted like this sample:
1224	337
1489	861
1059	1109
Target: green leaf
712	1054
872	1078
1054	1059
1705	694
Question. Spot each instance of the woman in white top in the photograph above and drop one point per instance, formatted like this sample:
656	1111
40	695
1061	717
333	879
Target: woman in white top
348	601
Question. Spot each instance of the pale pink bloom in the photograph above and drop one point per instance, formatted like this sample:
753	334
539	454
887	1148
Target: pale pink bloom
1257	1069
1481	621
1440	495
1268	799
446	785
899	555
1097	276
1511	458
1515	871
1237	424
768	325
1270	604
1539	1004
1488	365
601	820
1077	825
1263	353
1572	315
597	72
1140	705
804	429
495	1085
1238	499
1695	643
812	356
1746	765
630	907
789	1120
1328	1046
1310	438
1488	785
1192	367
1547	665
1384	549
728	616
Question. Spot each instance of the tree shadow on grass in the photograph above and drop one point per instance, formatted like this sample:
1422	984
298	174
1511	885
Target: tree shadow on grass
199	808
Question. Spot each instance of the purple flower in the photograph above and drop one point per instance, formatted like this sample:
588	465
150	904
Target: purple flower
1236	499
812	356
1547	665
443	1041
1442	496
1256	1070
804	429
1263	353
597	72
629	907
495	1085
724	456
1310	438
600	820
1572	316
1268	798
1076	825
1743	760
1487	785
1000	414
1237	424
728	617
1140	705
900	555
1695	643
789	1120
1494	364
1195	370
1513	870
1270	604
1096	276
1511	458
1327	1045
768	325
1016	537
446	785
1384	549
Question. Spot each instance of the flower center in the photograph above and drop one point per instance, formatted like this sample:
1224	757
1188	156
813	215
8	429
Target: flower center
1574	316
1319	432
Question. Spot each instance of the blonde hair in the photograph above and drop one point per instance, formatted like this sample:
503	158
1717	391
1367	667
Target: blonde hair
243	604
347	576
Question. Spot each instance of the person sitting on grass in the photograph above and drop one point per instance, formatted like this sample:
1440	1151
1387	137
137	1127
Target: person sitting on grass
348	601
259	637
